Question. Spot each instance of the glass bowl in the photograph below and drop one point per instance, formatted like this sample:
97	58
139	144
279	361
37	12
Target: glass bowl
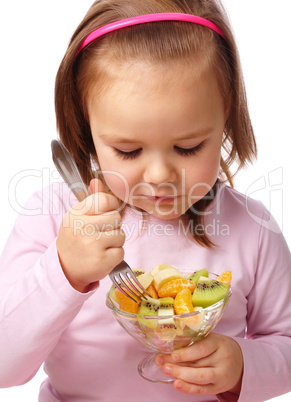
164	334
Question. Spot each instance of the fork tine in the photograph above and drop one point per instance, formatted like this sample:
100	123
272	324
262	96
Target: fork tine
135	289
130	287
130	275
117	285
127	282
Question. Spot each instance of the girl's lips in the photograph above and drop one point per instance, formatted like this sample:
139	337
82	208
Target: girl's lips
162	199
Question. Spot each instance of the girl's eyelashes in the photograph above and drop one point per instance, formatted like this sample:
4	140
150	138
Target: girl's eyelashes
189	151
181	151
127	154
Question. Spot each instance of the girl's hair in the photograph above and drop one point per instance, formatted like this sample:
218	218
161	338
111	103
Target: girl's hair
157	42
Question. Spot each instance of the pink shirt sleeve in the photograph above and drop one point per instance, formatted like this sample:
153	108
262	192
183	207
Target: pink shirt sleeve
36	300
267	345
267	349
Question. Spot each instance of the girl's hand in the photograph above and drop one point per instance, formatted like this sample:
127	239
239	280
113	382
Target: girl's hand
211	366
90	240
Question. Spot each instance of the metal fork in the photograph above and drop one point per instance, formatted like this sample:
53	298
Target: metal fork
122	275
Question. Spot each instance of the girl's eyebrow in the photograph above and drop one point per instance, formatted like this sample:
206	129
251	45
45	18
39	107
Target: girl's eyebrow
119	139
116	138
195	134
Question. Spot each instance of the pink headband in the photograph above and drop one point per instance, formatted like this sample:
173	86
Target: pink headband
142	19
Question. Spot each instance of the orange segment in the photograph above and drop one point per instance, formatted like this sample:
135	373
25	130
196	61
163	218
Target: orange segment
183	305
225	277
125	302
152	292
183	302
173	287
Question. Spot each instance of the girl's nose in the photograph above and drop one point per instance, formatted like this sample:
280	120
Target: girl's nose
160	171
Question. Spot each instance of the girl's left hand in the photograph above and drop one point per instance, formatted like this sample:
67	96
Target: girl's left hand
211	366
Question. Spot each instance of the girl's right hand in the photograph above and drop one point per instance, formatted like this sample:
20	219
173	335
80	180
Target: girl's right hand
90	240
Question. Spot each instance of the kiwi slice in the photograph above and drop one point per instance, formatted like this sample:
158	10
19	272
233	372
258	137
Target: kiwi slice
138	272
149	307
166	303
208	291
196	275
166	309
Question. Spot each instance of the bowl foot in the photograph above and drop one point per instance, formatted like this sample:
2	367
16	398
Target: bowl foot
148	369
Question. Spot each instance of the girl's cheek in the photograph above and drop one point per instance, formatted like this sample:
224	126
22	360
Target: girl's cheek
118	183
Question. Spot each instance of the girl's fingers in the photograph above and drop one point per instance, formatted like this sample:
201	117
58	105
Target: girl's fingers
200	350
96	204
218	371
113	257
194	389
91	225
111	239
199	354
197	376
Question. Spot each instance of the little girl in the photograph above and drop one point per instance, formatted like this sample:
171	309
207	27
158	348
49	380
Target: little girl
150	101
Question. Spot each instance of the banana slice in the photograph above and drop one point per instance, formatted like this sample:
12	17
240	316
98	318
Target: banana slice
145	279
164	275
160	267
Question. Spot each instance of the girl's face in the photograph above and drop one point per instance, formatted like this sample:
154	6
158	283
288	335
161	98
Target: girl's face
158	135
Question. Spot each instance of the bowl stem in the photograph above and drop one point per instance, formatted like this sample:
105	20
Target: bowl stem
148	369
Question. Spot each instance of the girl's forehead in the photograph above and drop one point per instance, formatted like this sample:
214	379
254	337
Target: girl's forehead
136	74
142	100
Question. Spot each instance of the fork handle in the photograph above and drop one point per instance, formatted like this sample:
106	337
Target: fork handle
68	169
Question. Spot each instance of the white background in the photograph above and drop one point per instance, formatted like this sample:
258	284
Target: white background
34	36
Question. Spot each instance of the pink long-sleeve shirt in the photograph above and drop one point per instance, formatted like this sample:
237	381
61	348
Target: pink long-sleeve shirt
87	355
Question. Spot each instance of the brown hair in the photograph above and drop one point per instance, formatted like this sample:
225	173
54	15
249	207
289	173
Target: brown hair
156	42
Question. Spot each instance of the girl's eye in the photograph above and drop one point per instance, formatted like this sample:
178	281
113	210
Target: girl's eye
189	151
127	155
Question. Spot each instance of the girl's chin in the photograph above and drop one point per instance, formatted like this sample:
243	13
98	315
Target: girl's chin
166	217
164	212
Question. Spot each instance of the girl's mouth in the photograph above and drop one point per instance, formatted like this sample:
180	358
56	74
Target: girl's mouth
162	199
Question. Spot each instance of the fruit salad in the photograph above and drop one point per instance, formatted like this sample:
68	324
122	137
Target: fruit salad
173	294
